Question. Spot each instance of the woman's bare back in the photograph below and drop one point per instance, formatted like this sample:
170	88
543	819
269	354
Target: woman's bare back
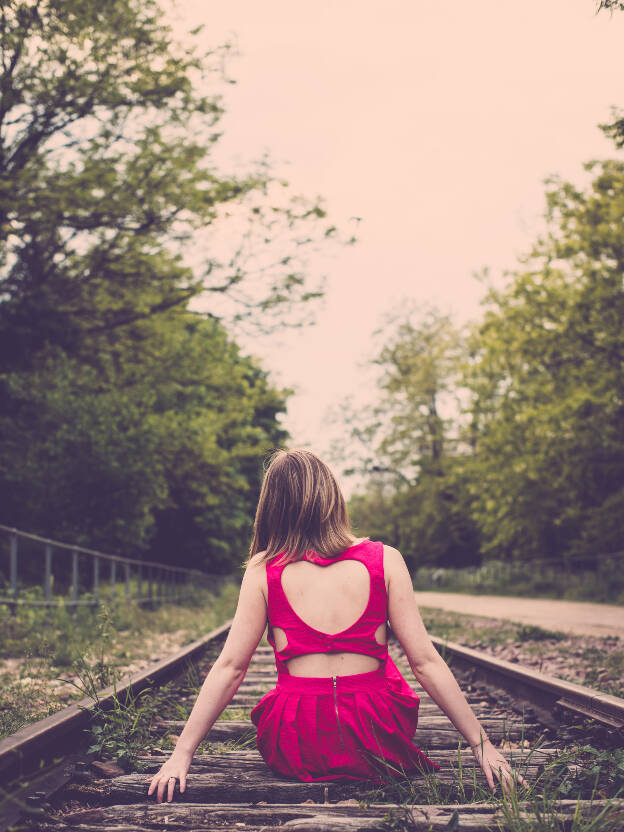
330	599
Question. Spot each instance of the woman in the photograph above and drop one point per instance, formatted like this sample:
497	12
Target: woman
341	709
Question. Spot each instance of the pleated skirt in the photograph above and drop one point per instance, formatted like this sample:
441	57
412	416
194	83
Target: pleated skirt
359	728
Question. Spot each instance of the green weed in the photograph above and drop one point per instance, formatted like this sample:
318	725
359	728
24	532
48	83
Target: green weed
242	743
531	632
544	814
604	582
95	646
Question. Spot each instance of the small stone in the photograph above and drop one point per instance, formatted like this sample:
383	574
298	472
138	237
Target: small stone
84	816
107	768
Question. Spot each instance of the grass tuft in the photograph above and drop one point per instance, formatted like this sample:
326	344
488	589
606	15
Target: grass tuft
47	666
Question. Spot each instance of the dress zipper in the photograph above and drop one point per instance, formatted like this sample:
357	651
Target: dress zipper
337	717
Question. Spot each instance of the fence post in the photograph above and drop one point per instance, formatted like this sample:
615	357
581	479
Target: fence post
127	575
140	583
48	579
74	582
13	571
96	579
150	587
113	577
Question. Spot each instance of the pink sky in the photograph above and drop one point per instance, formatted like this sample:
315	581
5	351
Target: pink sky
434	122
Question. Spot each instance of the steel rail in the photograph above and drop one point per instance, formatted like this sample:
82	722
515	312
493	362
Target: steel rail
39	738
59	734
542	691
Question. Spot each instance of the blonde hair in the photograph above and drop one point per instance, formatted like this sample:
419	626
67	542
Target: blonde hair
300	508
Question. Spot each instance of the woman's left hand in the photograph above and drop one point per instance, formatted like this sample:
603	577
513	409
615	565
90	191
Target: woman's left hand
175	768
493	762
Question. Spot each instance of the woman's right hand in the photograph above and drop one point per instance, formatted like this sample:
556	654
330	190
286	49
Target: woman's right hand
177	767
493	762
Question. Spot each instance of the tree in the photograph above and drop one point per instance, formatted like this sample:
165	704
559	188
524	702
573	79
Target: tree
547	383
611	5
614	130
160	447
105	178
124	417
414	442
531	464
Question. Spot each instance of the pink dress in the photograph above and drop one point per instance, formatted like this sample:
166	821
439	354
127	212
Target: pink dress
357	727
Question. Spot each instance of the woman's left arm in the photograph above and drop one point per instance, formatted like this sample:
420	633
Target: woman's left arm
223	679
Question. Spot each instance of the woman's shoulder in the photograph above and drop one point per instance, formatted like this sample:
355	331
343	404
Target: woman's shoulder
256	566
255	572
392	559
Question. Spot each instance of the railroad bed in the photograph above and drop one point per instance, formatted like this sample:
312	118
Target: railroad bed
231	788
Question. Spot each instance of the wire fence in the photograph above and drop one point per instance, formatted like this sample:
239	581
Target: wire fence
38	572
597	577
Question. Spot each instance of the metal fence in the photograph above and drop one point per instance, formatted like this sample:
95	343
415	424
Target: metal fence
36	571
592	577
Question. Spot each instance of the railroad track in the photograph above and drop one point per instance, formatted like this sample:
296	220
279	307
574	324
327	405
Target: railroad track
530	715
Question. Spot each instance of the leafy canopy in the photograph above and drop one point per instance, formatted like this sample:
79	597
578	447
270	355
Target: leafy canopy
127	420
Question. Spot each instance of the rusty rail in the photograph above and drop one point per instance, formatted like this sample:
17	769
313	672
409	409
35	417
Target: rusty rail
230	787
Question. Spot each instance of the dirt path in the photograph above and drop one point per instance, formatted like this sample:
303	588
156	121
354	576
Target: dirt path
576	617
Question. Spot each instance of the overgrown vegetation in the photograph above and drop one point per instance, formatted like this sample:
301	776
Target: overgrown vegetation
577	772
504	440
464	628
129	419
92	650
594	579
597	662
126	730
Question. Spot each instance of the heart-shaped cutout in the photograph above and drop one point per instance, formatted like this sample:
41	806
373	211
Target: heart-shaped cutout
329	598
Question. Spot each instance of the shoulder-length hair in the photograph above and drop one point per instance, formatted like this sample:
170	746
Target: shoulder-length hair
300	508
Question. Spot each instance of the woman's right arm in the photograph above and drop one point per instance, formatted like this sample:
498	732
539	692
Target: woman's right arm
431	670
223	680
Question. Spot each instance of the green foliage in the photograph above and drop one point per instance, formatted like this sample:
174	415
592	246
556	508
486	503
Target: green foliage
577	772
547	386
106	177
531	632
126	419
121	732
416	498
162	444
96	649
612	5
594	579
509	443
122	729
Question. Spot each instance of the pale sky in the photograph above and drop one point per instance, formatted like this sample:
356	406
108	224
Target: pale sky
434	122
